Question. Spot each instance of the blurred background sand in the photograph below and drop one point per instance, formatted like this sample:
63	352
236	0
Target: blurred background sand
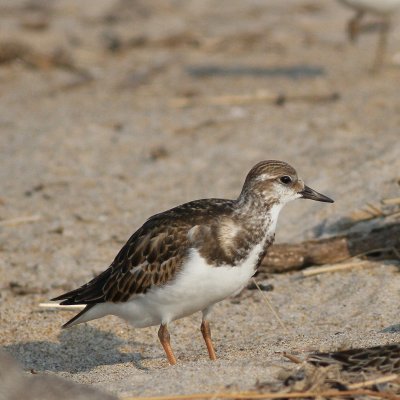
94	138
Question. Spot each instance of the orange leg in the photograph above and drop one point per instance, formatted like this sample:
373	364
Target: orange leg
164	337
206	331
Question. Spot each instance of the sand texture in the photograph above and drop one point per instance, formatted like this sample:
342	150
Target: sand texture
94	138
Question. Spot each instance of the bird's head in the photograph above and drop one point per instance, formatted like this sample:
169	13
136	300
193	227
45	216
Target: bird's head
276	182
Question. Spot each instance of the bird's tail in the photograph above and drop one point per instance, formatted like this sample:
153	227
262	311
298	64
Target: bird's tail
82	316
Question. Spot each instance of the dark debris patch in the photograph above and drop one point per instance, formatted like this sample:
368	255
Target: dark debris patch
290	72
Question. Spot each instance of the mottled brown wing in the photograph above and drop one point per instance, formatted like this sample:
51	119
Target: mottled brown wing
152	256
152	260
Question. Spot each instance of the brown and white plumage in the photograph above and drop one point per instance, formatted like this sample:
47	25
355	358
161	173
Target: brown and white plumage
190	257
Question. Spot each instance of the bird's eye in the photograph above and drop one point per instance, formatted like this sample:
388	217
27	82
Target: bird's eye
285	179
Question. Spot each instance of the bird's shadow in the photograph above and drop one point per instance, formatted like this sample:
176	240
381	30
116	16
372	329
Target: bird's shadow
82	348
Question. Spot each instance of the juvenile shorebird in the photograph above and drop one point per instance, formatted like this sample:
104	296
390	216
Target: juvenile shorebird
190	257
381	8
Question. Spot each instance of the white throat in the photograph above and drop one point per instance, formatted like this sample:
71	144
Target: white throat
273	214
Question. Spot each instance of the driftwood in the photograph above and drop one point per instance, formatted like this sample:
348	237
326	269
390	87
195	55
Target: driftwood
383	242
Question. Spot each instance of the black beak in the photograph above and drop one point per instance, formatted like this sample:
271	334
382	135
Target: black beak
308	193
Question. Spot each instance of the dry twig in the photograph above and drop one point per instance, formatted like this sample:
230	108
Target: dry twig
347	265
57	306
292	358
258	97
256	395
271	307
333	268
371	382
20	220
392	201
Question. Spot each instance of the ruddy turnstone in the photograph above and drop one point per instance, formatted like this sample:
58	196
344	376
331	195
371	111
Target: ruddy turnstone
383	9
192	256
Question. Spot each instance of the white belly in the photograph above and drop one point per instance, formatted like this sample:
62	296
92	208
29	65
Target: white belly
197	286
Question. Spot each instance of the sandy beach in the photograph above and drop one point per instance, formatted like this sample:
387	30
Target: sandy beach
112	113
